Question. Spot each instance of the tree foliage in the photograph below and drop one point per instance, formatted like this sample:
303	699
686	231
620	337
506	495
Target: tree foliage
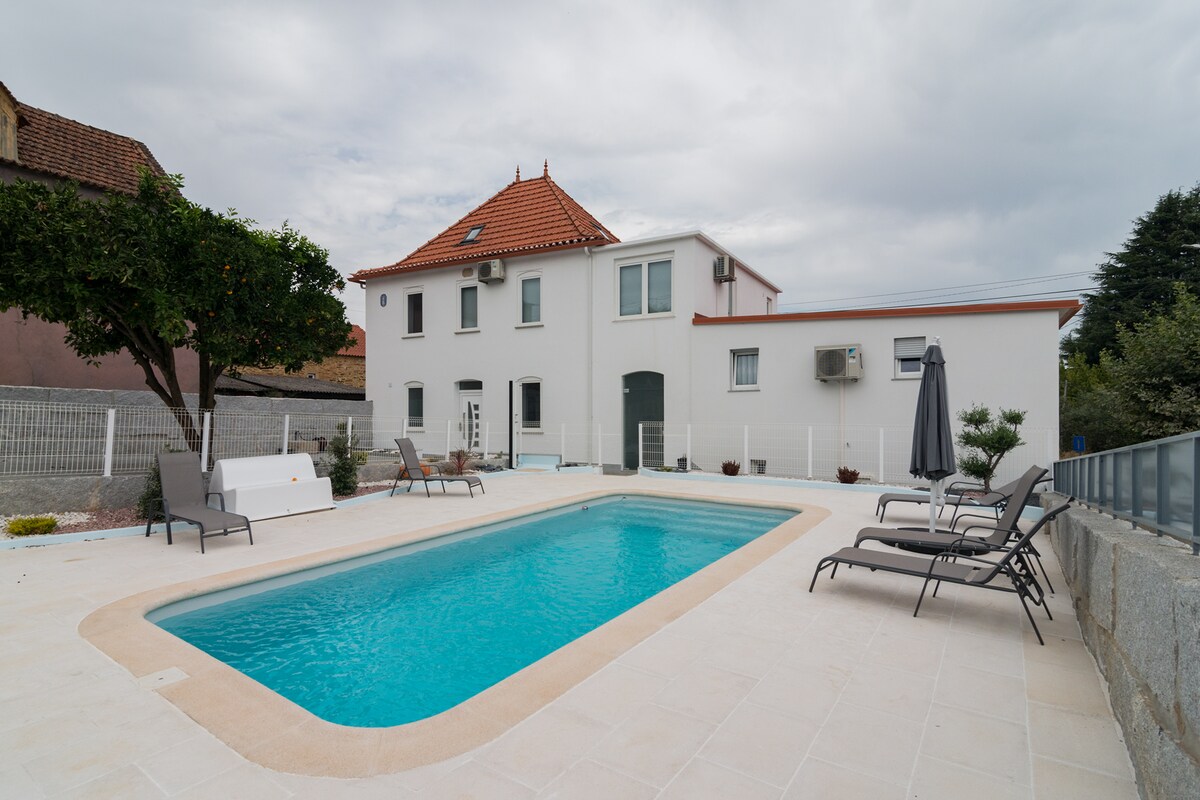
156	272
1137	282
987	440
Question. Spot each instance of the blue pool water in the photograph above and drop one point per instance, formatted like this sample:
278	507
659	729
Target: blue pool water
411	633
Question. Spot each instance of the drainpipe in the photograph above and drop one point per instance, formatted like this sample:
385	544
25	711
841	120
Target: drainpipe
591	359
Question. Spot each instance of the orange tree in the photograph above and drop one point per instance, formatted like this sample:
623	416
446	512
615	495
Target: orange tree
156	272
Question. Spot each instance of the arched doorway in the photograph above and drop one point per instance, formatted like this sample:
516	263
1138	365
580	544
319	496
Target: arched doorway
643	393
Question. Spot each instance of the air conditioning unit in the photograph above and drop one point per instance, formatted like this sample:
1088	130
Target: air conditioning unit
723	269
839	362
491	271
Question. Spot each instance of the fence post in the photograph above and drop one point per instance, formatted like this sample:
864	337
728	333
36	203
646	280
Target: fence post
286	425
110	430
448	424
599	445
404	429
562	443
881	455
349	431
520	447
205	436
810	449
688	455
640	447
745	450
487	437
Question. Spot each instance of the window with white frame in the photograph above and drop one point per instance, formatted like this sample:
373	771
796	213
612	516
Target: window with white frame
644	288
531	404
416	405
909	350
531	299
468	307
743	369
414	308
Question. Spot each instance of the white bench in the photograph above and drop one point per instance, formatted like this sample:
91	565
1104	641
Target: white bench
262	487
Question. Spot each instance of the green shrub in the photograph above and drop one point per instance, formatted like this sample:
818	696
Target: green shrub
460	462
148	503
31	526
343	474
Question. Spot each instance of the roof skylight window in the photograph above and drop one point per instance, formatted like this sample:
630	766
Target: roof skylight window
472	235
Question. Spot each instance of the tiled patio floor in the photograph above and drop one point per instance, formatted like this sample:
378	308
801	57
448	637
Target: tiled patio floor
764	690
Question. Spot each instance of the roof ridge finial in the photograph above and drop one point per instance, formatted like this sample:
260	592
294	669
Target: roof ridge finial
546	168
518	179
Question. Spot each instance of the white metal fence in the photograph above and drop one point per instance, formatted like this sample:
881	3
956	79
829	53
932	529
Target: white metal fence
77	439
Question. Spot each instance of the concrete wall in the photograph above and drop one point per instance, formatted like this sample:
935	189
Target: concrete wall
1137	597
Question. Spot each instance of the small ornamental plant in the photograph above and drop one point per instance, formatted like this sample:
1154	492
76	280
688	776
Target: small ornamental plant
731	467
460	461
847	475
31	526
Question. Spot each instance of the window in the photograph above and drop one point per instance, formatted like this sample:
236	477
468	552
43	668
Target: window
909	350
644	288
468	308
531	300
416	312
383	300
531	404
472	235
744	368
416	406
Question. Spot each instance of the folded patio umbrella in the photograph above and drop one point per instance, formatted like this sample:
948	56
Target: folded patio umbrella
933	440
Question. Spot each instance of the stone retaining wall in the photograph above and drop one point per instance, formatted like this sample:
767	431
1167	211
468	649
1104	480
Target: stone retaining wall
1137	597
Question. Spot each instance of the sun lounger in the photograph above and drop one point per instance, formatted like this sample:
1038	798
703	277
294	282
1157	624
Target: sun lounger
184	499
412	471
995	499
1010	572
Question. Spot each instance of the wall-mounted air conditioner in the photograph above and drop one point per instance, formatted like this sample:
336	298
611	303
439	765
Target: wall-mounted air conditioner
491	271
723	269
839	362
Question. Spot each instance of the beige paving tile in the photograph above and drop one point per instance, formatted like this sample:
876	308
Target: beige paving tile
908	653
127	782
473	779
905	694
761	743
703	780
587	780
987	654
665	654
746	654
47	735
1069	782
981	691
820	780
868	741
824	651
1058	652
542	747
1074	690
994	746
248	780
653	745
613	693
705	692
935	779
189	762
809	694
1093	743
17	783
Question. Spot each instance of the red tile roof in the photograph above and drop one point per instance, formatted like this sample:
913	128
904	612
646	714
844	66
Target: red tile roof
68	149
359	348
1065	308
532	216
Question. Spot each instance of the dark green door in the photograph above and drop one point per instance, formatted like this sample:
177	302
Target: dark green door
643	403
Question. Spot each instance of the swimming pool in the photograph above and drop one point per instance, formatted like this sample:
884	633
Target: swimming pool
399	636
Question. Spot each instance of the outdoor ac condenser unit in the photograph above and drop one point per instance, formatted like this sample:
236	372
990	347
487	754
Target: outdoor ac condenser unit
491	271
723	269
839	362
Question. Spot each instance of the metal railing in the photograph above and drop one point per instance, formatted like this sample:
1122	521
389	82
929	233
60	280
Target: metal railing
1153	484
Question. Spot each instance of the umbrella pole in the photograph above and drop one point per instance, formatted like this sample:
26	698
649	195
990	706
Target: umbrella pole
935	495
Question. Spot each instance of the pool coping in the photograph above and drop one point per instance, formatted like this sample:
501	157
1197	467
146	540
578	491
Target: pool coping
270	730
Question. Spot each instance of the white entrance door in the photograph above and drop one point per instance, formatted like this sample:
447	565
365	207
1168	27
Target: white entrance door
468	423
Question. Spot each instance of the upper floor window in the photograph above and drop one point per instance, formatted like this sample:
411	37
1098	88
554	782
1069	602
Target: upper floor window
909	350
414	302
468	307
531	299
743	367
644	288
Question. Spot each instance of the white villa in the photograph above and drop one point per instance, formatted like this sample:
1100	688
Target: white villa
528	316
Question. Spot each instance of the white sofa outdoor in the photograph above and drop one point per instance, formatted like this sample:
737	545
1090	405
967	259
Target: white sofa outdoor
262	487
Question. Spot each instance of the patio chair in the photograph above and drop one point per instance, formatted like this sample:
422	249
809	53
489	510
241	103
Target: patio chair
412	469
184	499
996	499
952	566
972	540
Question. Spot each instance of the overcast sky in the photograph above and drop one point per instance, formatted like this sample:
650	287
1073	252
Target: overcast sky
841	148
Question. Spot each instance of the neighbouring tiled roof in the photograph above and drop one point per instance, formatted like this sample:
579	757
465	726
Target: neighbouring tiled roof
525	217
359	348
68	149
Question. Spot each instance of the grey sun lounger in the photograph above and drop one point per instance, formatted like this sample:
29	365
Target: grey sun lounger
995	499
1011	572
184	499
412	470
